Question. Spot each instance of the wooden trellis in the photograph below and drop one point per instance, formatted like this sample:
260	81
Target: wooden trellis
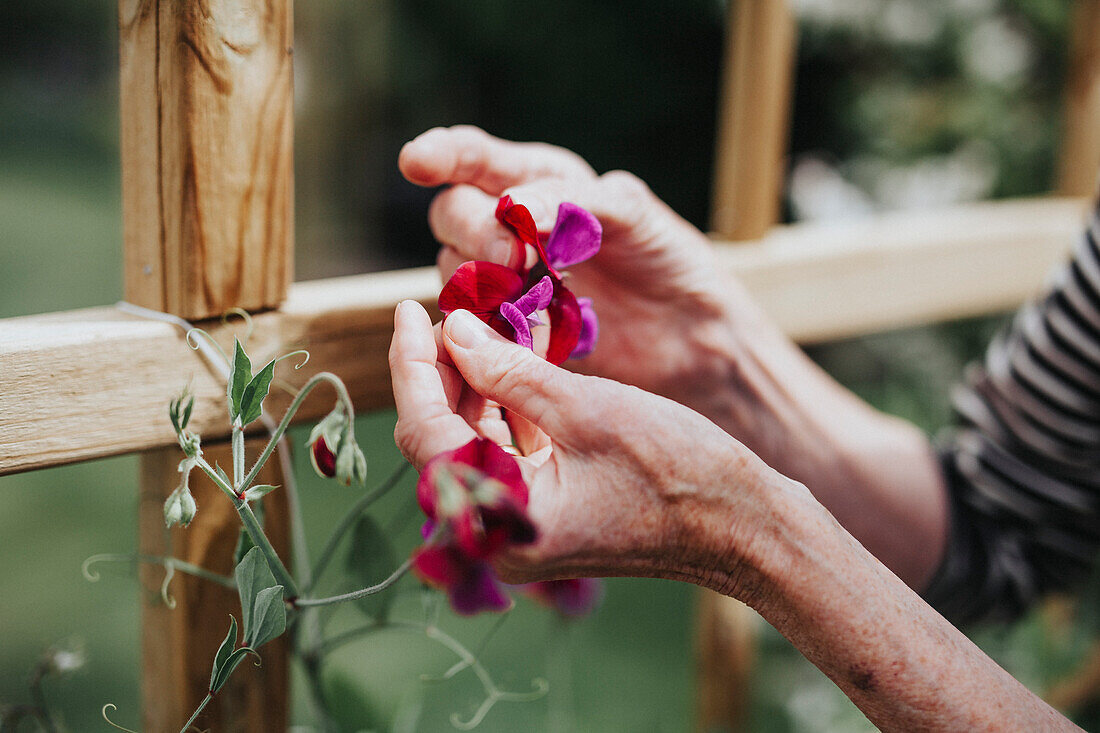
208	201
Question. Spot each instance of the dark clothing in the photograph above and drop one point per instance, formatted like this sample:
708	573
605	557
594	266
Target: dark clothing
1023	466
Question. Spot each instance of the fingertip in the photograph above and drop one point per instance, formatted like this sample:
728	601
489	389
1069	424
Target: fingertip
464	330
419	159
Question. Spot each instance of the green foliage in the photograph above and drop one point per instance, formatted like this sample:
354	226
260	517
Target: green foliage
262	609
371	558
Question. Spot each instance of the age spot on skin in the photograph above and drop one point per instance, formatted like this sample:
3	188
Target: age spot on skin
863	679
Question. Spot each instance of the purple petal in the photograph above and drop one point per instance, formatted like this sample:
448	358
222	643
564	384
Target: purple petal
518	320
575	238
590	330
537	298
427	528
478	591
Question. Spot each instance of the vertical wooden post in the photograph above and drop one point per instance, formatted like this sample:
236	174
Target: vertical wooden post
1080	157
207	177
748	181
753	117
207	131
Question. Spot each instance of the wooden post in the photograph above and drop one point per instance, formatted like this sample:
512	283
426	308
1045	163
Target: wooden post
207	165
748	182
178	644
752	118
207	179
1080	158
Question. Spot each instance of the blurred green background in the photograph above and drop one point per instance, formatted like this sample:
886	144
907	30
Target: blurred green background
899	104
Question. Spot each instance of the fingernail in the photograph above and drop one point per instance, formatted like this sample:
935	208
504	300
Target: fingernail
465	330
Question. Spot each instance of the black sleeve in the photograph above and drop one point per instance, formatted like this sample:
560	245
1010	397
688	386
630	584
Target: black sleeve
1023	464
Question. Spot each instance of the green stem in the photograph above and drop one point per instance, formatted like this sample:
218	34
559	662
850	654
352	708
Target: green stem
255	531
198	711
348	521
341	393
361	593
209	471
181	565
259	538
238	458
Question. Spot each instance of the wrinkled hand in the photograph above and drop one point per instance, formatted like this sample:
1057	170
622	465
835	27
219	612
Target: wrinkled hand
654	284
621	482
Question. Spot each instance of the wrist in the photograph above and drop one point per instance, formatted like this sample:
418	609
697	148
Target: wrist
736	534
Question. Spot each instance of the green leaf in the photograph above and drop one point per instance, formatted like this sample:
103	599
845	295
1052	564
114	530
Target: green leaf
221	474
239	377
371	559
231	663
258	491
253	575
268	616
252	399
187	412
244	544
224	651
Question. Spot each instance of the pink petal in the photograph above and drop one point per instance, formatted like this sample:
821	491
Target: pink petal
590	330
478	591
537	298
575	238
520	326
480	287
572	597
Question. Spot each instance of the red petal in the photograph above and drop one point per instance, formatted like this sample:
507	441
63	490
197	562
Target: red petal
440	565
565	324
518	218
492	460
479	287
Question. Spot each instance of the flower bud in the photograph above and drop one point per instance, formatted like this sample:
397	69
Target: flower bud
351	464
322	458
326	436
180	507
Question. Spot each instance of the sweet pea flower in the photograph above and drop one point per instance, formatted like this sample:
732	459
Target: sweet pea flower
572	597
496	295
476	503
575	238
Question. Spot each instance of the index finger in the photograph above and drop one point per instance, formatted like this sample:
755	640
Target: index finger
426	423
467	154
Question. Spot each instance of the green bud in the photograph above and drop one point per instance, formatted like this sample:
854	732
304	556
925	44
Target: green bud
351	464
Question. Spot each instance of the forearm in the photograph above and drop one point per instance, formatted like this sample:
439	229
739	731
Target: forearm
901	663
878	475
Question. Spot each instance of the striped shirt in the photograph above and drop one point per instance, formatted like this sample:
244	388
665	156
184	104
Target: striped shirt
1023	464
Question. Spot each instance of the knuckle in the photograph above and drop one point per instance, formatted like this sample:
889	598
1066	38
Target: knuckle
626	184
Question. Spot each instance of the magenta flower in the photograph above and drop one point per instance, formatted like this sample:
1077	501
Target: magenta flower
476	501
575	238
572	597
496	295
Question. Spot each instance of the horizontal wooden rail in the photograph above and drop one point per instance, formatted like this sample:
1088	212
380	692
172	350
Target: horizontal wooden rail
96	382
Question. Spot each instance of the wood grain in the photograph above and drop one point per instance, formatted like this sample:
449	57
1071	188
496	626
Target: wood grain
1080	155
207	156
753	116
178	645
96	382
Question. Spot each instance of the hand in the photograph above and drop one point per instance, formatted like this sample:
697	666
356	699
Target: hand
655	285
672	323
621	482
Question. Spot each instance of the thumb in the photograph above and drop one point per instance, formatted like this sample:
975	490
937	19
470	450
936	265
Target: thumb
511	375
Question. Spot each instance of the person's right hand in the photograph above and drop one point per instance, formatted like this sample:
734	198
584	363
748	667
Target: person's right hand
662	303
622	482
